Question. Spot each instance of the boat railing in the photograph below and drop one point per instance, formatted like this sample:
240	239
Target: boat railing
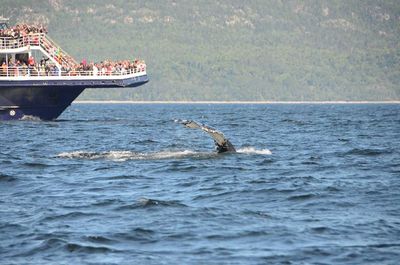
40	72
62	55
35	39
38	40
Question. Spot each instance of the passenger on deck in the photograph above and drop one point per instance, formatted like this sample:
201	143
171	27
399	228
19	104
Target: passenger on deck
31	61
21	30
95	69
4	68
43	61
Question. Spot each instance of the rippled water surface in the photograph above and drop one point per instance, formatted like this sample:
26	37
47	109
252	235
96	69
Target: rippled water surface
125	184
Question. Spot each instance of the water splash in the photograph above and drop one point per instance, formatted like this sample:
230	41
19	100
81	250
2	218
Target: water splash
252	150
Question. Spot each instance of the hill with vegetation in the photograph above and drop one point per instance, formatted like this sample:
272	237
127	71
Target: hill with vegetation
233	49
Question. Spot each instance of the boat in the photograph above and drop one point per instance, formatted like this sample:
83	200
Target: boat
43	91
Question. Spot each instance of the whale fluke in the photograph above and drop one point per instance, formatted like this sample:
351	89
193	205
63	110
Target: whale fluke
222	144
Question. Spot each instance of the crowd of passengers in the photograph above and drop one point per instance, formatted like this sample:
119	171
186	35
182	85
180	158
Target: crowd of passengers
11	37
44	68
21	30
28	66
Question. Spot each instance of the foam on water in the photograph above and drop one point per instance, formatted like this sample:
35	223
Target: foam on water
130	155
127	155
30	118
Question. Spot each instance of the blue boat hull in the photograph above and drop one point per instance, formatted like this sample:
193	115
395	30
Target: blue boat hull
46	100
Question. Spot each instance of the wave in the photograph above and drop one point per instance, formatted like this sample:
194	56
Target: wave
301	197
296	122
81	248
148	141
252	150
368	152
7	178
138	234
70	216
147	203
36	165
30	118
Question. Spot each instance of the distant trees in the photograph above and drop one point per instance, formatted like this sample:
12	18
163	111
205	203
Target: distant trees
234	50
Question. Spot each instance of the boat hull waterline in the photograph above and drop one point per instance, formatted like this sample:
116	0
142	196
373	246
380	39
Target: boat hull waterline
47	99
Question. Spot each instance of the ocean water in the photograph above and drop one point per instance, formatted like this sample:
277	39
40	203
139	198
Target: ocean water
125	184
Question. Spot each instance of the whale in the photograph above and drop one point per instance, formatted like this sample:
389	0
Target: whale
222	144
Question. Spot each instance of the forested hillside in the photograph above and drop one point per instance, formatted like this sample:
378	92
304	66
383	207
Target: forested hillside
233	49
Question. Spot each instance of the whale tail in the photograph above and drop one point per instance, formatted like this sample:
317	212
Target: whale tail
222	144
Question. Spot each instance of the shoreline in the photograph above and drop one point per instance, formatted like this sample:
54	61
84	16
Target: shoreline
231	102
